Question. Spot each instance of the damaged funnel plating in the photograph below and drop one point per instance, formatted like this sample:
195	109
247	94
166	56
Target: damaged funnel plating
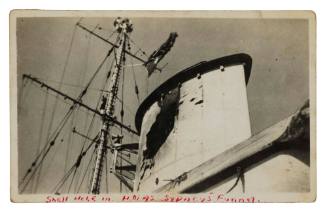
195	115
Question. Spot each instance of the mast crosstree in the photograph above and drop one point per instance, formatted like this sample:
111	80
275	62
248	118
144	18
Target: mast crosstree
80	103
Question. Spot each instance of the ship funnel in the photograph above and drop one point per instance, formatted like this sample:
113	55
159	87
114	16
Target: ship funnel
195	115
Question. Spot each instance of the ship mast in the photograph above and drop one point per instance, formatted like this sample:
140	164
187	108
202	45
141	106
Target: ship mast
123	26
120	49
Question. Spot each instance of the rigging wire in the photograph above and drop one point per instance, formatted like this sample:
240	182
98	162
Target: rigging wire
61	100
61	80
76	167
56	133
134	77
51	143
99	99
43	154
71	182
108	75
98	27
122	109
87	168
138	48
70	47
98	102
126	106
73	168
81	81
35	185
23	94
89	131
52	159
62	181
69	142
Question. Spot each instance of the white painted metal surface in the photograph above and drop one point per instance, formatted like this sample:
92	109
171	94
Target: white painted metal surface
280	173
212	117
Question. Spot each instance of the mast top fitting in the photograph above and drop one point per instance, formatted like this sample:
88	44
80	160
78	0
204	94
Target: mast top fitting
123	25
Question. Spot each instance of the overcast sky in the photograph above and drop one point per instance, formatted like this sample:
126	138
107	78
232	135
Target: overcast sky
277	87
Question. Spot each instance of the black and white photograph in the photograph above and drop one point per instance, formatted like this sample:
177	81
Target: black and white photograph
163	106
